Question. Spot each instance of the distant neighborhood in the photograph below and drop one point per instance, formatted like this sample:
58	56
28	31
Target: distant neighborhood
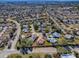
39	31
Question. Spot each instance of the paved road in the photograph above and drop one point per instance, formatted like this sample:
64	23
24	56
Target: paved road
5	53
33	30
5	28
54	20
17	35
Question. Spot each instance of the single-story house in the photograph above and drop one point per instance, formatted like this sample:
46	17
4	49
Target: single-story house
52	40
34	36
69	36
40	40
56	35
25	30
77	32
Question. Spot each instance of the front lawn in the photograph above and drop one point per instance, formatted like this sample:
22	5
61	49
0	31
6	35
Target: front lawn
33	55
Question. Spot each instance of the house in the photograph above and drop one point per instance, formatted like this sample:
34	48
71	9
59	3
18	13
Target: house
52	40
34	36
56	35
77	33
67	56
69	36
26	26
25	30
40	40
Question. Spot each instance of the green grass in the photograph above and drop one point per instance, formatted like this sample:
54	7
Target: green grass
61	41
62	50
32	55
76	54
47	43
15	56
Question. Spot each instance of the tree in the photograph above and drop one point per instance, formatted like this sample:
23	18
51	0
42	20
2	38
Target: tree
26	42
36	27
66	52
47	30
58	30
57	55
30	57
48	56
78	7
76	54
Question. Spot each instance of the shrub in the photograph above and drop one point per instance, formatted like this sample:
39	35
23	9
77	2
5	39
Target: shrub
48	56
76	54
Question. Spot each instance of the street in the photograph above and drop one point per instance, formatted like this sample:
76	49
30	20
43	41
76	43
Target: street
17	35
7	52
53	19
5	28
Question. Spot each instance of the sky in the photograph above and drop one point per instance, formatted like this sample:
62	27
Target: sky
39	0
